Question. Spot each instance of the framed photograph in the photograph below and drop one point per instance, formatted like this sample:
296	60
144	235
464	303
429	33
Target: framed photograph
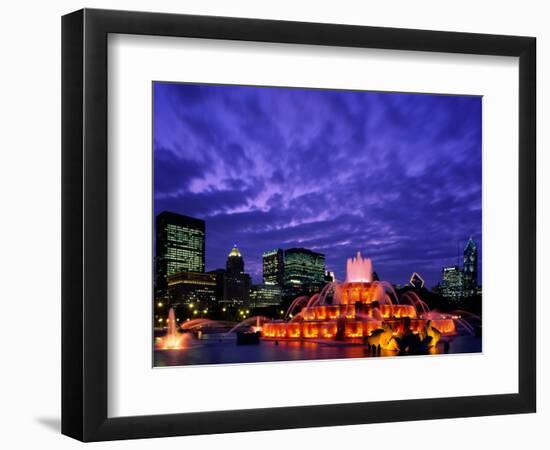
273	224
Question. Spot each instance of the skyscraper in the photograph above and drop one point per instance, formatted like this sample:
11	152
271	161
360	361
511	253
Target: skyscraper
452	286
179	247
236	283
262	295
273	264
235	261
470	268
304	271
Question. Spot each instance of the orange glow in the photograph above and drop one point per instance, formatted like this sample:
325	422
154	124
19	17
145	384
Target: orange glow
318	329
358	292
360	310
446	326
172	340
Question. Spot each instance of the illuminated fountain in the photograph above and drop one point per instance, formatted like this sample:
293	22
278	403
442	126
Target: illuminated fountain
363	308
172	340
359	269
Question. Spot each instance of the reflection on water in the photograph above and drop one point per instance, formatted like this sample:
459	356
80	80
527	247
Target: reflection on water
217	349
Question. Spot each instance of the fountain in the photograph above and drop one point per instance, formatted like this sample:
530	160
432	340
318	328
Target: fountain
363	308
172	340
359	269
360	311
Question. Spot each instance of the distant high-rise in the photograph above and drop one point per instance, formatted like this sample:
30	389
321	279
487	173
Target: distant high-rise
452	285
235	261
262	295
273	265
179	247
304	271
459	284
470	268
236	283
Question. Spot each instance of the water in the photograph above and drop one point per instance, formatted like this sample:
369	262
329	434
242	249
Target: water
359	269
216	349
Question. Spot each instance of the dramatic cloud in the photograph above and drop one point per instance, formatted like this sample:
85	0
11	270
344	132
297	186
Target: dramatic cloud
396	176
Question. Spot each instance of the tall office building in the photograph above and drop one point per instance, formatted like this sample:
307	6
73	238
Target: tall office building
304	271
266	294
470	268
452	285
235	261
179	247
273	266
219	276
236	283
192	288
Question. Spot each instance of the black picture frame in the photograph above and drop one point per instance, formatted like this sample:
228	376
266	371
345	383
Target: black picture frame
84	224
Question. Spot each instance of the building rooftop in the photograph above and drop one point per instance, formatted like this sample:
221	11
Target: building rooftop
235	251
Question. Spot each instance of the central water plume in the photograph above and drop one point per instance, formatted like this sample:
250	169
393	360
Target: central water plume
359	269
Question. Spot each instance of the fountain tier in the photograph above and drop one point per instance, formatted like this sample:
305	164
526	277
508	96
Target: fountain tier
360	307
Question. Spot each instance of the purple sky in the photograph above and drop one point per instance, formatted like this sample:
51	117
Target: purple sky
396	176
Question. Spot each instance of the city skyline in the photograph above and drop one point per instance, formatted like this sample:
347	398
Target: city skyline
395	176
268	274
